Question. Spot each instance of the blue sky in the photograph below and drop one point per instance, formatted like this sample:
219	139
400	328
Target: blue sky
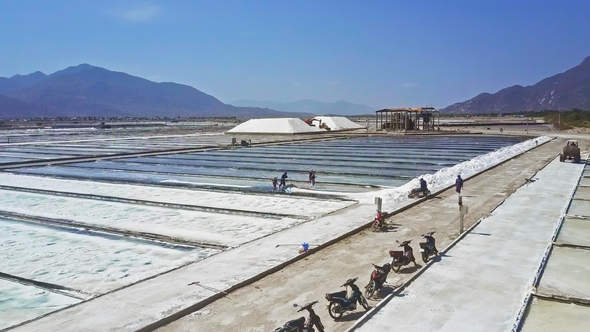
380	53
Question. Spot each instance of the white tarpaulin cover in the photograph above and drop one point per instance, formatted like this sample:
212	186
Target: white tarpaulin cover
274	126
338	122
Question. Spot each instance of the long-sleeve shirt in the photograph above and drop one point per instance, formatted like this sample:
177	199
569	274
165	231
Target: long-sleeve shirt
458	185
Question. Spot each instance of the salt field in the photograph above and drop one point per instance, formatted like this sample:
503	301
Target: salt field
90	131
19	303
359	162
96	226
561	293
89	263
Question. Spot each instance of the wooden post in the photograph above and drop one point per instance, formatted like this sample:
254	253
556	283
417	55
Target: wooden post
377	122
462	212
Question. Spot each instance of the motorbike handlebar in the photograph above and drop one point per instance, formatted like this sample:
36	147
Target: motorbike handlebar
404	243
349	281
307	306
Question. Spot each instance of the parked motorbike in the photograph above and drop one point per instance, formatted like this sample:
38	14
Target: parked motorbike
418	193
428	248
339	303
378	278
378	224
301	324
402	257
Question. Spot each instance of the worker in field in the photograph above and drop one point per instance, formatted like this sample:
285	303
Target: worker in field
424	187
312	178
283	183
459	184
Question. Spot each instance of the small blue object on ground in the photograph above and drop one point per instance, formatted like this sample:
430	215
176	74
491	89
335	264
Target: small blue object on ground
305	246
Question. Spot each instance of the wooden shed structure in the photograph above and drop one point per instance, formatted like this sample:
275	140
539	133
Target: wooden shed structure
408	118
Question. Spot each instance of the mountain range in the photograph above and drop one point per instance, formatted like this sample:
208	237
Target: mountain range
340	107
564	91
86	90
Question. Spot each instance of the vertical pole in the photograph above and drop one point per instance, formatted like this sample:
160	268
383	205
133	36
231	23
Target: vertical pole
378	203
461	214
390	119
405	121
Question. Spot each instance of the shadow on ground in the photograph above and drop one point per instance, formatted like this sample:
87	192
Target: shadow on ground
353	315
410	269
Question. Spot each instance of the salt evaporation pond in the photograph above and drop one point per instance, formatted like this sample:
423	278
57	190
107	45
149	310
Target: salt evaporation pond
19	302
370	161
210	184
91	263
289	205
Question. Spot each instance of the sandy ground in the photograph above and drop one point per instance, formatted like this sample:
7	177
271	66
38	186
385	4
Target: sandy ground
266	304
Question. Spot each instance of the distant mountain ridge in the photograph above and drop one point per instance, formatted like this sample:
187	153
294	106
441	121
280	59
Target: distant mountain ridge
86	90
340	107
564	91
17	82
25	110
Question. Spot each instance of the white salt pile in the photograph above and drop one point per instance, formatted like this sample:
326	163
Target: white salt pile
274	126
337	123
446	176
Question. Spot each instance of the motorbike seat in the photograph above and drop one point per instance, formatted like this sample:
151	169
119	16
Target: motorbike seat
341	294
297	323
396	253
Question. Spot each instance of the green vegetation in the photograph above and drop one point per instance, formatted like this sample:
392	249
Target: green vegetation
565	119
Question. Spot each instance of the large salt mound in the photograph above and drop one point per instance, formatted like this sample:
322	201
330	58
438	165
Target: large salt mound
274	126
338	123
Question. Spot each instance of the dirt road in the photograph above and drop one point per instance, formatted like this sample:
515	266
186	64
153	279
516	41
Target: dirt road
268	303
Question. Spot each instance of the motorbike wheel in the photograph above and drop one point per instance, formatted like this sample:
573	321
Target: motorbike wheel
370	289
376	227
425	257
364	302
332	312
